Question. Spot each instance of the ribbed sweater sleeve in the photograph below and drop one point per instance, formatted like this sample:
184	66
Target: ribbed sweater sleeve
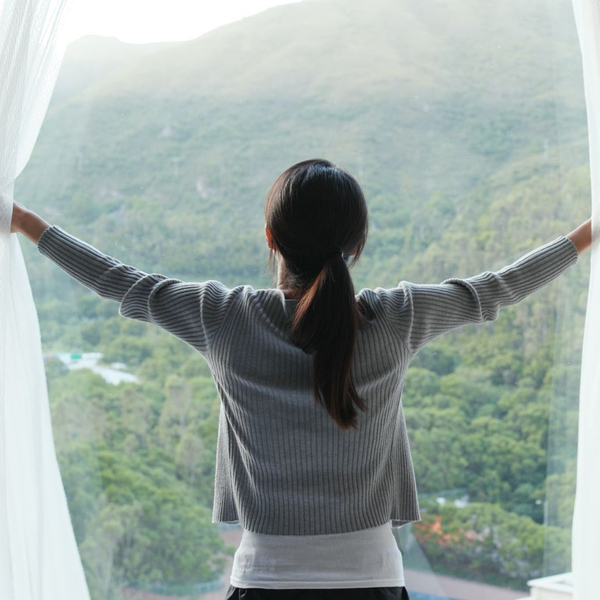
192	312
423	312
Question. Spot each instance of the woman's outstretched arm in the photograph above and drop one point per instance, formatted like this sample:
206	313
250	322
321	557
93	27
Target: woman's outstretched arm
422	312
191	311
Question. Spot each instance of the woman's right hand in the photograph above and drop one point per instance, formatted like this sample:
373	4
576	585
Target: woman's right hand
582	236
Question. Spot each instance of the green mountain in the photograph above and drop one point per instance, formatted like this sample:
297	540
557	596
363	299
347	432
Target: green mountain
419	100
93	57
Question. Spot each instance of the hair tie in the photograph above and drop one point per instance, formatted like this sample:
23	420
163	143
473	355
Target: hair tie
332	252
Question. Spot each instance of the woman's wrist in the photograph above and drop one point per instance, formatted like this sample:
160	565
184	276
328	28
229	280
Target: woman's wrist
582	236
31	225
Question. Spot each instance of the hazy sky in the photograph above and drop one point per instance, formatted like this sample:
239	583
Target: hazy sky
142	21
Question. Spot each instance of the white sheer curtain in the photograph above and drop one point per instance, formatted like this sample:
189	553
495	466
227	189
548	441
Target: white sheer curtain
39	558
586	518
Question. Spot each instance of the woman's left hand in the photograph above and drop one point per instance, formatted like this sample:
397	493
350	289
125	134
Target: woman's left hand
25	221
17	216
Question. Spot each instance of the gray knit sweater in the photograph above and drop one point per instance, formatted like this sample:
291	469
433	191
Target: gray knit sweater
283	466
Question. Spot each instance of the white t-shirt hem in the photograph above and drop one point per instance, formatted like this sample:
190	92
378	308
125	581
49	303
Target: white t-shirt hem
240	583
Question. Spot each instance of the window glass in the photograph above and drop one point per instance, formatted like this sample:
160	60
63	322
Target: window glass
465	124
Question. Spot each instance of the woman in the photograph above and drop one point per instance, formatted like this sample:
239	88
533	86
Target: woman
312	454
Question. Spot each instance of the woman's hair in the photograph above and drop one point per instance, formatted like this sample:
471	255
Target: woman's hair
313	209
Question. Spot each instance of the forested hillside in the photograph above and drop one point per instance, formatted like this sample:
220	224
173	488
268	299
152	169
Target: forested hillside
466	126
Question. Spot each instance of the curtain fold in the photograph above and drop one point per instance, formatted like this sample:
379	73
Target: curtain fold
586	517
39	558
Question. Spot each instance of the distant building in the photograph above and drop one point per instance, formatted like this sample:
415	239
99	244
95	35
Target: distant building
113	374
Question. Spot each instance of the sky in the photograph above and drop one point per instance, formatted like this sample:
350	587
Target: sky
144	21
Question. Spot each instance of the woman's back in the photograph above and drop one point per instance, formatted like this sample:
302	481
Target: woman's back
284	466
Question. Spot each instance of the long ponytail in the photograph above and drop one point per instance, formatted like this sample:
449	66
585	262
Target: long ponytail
317	216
